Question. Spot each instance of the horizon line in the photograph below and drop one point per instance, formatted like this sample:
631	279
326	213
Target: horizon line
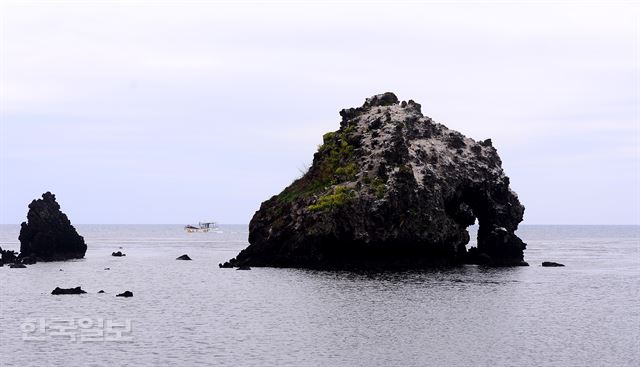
246	224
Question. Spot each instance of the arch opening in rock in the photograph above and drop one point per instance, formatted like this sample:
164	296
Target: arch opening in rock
498	213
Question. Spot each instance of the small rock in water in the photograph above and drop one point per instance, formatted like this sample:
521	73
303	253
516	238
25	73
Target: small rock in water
76	290
101	291
183	257
17	266
244	267
7	256
107	268
551	264
125	294
118	254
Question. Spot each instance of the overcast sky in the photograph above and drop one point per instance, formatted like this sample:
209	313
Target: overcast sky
167	112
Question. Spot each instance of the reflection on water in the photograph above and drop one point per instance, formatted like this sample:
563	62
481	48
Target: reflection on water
192	312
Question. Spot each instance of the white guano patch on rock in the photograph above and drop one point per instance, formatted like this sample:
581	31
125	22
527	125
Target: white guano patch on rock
433	154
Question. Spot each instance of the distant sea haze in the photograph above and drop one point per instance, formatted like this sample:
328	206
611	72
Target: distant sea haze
192	312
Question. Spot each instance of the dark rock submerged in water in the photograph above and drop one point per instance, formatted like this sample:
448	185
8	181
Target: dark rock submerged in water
125	294
183	257
390	189
118	254
48	234
76	290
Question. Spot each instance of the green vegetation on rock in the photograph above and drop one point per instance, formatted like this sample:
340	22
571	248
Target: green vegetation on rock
346	173
379	187
340	196
334	164
301	187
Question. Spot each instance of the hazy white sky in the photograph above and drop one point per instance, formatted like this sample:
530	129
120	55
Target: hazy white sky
174	112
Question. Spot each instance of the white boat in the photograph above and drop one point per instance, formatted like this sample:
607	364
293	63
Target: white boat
203	227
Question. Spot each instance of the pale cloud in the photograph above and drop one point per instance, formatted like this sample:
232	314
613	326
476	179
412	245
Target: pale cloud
231	98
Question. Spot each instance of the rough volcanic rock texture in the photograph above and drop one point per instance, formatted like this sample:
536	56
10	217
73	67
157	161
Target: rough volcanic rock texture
390	188
7	256
48	235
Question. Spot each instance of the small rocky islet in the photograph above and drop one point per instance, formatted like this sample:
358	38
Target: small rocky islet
391	188
48	235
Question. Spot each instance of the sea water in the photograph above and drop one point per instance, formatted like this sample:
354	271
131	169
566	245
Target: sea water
190	313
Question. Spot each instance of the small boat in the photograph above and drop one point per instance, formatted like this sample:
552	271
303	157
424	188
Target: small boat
202	227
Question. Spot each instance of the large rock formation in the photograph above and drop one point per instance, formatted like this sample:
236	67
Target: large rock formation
48	235
390	188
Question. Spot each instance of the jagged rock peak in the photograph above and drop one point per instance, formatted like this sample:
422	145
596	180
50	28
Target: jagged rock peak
390	188
381	100
384	99
48	234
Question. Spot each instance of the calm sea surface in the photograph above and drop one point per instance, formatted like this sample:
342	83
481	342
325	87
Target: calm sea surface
189	313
